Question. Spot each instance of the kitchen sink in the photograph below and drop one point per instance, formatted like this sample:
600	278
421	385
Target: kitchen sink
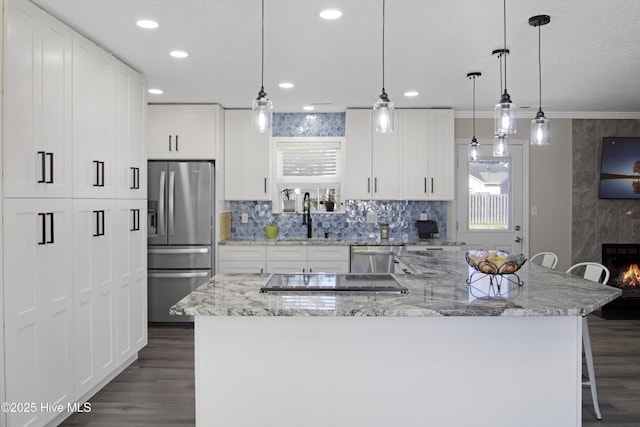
322	282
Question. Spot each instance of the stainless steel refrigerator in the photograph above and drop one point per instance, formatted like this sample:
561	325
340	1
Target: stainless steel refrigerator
181	233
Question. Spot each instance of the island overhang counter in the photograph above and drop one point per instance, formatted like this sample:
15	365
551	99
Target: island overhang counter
447	353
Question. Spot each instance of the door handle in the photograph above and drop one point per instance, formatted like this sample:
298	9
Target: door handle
171	205
178	275
96	164
167	251
136	220
431	185
368	185
43	228
169	142
135	178
518	239
99	223
425	184
50	180
51	227
161	223
43	172
177	143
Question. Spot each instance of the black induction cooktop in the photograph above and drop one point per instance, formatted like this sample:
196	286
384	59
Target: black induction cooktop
321	282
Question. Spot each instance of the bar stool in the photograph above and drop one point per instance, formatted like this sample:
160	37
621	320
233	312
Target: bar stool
549	259
592	271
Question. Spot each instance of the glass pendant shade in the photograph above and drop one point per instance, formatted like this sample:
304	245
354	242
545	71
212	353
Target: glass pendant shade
501	146
474	150
540	130
505	116
383	114
262	113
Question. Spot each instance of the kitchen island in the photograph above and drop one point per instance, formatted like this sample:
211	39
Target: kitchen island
447	353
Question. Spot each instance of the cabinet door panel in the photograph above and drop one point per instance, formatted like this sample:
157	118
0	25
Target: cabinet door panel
160	132
94	95
287	266
247	159
249	266
195	131
441	155
328	253
359	136
37	297
286	253
385	169
94	292
414	140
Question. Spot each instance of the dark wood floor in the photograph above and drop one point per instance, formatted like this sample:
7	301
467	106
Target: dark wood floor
158	389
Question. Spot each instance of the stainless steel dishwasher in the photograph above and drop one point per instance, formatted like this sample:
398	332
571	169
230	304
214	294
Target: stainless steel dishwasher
372	259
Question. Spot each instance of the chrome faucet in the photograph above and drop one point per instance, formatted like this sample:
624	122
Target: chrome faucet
306	213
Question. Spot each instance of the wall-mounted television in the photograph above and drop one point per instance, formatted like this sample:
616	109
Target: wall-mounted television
620	168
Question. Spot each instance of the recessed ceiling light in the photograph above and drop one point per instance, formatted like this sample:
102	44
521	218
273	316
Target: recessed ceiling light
411	93
178	54
286	85
308	108
156	91
147	24
330	14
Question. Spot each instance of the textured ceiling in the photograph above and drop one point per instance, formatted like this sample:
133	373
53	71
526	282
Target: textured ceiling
590	51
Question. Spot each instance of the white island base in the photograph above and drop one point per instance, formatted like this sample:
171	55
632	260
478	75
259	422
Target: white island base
388	371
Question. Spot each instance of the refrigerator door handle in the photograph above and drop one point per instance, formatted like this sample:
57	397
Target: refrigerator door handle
169	251
161	221
171	206
188	275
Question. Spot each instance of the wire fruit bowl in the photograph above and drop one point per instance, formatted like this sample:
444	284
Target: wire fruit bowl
495	263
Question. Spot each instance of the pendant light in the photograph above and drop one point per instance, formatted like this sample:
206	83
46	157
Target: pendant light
383	108
500	140
505	110
540	126
474	150
262	108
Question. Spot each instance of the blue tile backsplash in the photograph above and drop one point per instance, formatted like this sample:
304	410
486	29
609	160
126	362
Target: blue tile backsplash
400	215
308	124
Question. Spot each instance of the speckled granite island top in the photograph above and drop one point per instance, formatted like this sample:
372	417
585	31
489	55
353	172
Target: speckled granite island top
437	287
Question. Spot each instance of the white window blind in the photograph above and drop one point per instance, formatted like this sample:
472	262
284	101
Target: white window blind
309	162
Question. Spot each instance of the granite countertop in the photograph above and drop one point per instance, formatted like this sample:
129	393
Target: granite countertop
437	287
319	241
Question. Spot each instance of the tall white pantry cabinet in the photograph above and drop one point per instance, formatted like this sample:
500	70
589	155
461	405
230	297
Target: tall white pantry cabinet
74	215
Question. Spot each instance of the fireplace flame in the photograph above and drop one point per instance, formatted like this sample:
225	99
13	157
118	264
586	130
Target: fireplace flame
631	277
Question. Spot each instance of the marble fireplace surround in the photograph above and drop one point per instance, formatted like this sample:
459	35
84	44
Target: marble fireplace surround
596	221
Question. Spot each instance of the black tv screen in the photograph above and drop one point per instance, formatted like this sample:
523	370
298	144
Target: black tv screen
620	168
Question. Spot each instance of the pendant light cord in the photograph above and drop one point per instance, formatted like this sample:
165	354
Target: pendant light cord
474	107
505	42
539	69
262	51
383	21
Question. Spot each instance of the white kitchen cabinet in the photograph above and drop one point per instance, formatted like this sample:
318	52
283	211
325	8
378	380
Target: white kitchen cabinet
247	159
38	326
242	259
130	260
441	155
37	104
94	295
372	159
94	120
307	259
187	132
131	160
427	162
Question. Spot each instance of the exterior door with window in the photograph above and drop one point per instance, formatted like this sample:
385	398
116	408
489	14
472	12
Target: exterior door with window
492	195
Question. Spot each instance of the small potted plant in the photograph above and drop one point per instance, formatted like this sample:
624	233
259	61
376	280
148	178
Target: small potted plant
329	200
271	230
289	204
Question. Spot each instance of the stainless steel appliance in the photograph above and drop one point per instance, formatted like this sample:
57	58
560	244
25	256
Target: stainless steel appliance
372	259
180	235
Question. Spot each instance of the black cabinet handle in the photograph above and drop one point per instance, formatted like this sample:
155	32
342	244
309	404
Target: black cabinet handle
43	172
96	164
169	142
375	184
99	223
136	220
177	143
431	185
265	185
135	177
368	185
51	227
101	174
43	228
425	184
50	156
